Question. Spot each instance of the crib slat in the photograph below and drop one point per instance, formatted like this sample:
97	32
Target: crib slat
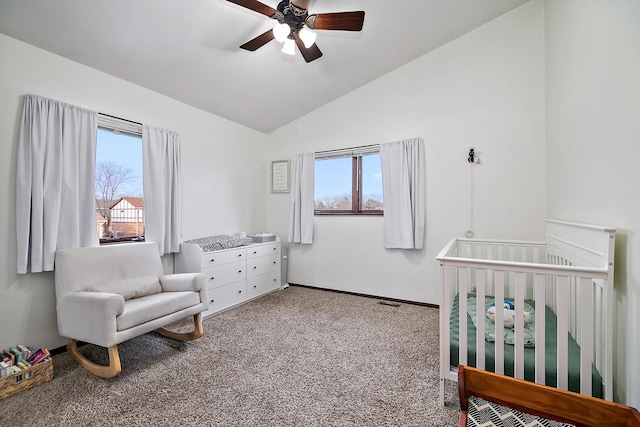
499	343
519	326
445	309
600	321
481	283
539	281
586	346
491	279
563	292
462	314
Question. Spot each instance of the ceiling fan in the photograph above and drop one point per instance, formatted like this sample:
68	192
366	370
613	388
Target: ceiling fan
295	24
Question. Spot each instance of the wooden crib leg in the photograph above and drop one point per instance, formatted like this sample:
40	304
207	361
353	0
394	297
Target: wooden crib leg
197	332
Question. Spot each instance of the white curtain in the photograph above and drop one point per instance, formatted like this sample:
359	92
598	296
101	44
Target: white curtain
55	204
162	188
302	200
403	189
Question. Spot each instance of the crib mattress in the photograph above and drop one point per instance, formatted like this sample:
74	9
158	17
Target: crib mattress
551	333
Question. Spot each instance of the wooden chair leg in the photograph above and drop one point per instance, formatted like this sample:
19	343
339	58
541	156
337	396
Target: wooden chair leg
197	332
110	371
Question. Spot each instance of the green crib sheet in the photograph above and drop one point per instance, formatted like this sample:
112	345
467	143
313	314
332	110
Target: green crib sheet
551	333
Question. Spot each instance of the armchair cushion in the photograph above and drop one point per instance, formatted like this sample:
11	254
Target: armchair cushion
138	311
133	287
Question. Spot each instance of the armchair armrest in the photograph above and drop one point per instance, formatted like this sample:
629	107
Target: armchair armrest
90	316
183	282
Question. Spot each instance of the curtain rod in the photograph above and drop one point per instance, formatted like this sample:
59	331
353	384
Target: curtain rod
120	118
363	149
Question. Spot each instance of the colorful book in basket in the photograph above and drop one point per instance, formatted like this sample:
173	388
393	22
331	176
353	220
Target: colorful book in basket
7	357
17	353
38	356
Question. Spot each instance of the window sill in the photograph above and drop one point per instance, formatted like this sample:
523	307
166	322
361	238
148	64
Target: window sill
370	213
128	239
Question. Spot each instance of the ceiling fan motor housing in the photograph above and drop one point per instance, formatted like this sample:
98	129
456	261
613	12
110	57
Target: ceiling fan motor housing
292	15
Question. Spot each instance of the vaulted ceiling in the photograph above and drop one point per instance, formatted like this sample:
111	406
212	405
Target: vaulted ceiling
189	50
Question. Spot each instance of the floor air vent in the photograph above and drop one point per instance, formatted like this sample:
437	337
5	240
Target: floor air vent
392	304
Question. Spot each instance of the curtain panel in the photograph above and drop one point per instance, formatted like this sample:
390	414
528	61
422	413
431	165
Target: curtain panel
403	189
162	186
302	200
55	204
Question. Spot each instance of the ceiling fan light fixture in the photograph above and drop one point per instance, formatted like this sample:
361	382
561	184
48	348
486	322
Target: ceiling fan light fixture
289	47
307	36
281	31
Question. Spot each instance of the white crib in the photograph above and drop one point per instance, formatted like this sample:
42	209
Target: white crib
570	275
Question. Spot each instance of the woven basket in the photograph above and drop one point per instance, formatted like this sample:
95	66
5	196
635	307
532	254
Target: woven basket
40	373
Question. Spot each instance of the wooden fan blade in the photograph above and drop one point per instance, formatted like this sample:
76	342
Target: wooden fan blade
309	54
256	6
345	21
259	41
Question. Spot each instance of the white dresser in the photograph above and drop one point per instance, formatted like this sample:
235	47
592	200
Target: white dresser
233	275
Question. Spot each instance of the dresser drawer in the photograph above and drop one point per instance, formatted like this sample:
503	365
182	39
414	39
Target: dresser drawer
212	259
225	274
262	284
226	296
262	265
262	250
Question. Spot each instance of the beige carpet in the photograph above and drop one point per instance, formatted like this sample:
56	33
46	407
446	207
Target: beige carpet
297	357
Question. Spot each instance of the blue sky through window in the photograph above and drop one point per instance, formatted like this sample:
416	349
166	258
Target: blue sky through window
124	150
371	175
333	177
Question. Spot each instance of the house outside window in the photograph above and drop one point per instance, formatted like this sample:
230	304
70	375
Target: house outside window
127	217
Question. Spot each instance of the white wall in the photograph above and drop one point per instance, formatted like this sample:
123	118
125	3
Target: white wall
223	171
593	145
484	89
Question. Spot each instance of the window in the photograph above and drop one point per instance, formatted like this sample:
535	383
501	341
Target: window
348	182
118	181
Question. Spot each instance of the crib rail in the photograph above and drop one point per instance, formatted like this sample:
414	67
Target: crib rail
579	295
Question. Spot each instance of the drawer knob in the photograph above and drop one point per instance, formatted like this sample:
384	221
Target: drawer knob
254	267
275	249
239	255
212	301
274	280
274	262
239	271
255	252
239	292
255	286
212	260
212	277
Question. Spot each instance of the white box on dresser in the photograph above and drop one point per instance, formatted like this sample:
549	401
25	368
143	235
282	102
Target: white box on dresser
233	275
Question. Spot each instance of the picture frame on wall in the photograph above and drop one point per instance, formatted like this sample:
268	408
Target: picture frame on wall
280	176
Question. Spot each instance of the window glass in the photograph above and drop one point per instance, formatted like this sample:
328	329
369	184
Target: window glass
371	183
341	181
118	182
333	184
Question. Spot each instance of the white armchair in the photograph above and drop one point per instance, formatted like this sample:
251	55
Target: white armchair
109	294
